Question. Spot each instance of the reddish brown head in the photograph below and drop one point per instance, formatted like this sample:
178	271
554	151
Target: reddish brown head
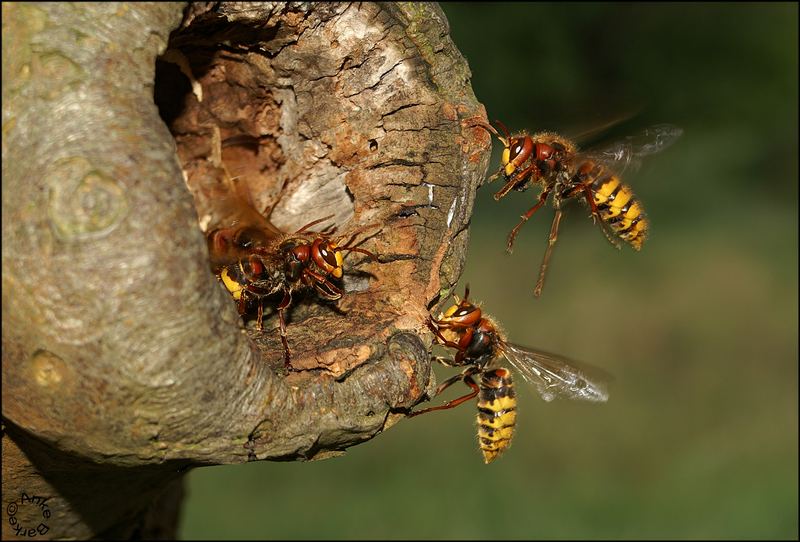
462	315
327	256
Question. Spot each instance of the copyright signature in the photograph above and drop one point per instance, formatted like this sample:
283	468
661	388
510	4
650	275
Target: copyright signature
39	504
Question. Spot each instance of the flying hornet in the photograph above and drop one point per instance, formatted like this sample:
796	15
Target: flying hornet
594	176
480	348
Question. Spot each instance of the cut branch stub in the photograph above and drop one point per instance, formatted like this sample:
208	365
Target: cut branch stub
333	110
120	349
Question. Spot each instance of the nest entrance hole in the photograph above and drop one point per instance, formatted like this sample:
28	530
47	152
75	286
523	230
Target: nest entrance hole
236	127
217	103
234	119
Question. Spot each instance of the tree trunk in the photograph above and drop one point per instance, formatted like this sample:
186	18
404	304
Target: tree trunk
125	363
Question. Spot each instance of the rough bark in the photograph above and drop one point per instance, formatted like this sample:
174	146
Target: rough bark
125	363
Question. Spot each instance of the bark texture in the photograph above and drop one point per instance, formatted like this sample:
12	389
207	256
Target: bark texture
125	363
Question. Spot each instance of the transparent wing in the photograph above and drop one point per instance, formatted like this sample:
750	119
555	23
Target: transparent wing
233	211
627	153
239	231
554	376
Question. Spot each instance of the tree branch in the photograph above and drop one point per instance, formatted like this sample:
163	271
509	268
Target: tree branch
124	361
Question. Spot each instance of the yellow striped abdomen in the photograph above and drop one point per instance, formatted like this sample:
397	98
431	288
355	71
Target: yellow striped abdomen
497	413
232	283
619	208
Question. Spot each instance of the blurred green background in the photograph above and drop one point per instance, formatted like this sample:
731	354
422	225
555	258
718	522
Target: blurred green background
699	438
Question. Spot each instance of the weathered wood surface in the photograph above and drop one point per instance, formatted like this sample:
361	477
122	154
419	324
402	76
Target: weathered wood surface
124	361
